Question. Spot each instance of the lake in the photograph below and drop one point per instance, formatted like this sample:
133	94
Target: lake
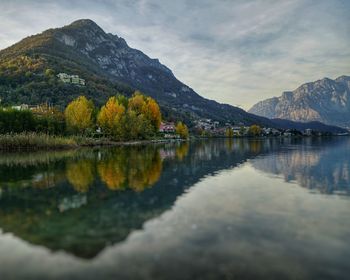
211	209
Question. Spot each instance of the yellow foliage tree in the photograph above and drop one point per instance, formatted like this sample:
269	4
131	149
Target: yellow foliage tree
110	116
147	107
182	130
79	115
137	103
138	117
153	113
254	130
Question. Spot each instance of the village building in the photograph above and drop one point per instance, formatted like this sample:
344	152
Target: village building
23	107
71	79
167	127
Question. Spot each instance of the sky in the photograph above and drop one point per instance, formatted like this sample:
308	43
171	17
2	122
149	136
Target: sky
234	51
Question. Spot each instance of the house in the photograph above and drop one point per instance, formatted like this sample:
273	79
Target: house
205	124
288	133
271	131
64	77
167	127
21	107
71	79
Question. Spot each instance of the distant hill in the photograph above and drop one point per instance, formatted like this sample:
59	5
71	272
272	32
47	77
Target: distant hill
325	100
28	72
301	126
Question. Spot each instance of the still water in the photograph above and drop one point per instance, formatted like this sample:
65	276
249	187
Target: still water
220	209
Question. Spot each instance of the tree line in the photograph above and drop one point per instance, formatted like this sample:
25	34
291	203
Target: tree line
49	121
120	118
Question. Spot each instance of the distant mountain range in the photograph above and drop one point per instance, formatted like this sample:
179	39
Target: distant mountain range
28	72
325	100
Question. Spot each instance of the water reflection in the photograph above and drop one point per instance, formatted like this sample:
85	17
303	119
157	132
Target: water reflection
322	165
82	201
153	209
80	174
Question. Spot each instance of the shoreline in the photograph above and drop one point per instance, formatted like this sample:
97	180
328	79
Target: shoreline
42	142
27	142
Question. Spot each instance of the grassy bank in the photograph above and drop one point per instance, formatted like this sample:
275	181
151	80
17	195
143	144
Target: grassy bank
35	141
40	141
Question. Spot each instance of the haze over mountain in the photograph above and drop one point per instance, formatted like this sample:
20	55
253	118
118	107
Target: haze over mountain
325	100
108	64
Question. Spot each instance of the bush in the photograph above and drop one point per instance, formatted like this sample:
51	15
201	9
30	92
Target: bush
15	121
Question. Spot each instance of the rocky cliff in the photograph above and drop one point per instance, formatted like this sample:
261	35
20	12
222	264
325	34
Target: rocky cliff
325	100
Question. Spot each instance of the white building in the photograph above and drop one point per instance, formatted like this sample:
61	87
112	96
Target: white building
71	79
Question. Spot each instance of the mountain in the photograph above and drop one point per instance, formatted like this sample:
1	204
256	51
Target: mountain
28	74
325	100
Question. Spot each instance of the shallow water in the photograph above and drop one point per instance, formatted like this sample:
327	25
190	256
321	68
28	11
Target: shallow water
220	209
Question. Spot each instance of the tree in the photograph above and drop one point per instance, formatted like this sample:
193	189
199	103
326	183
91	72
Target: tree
242	131
137	103
110	117
229	132
182	130
254	130
153	113
79	115
49	73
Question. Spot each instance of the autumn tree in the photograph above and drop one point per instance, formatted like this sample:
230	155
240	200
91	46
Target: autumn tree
138	117
153	113
147	107
110	117
182	130
79	115
137	103
254	130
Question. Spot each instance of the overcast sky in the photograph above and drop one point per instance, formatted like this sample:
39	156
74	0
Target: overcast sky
237	52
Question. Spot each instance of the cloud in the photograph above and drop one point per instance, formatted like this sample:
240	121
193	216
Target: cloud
236	52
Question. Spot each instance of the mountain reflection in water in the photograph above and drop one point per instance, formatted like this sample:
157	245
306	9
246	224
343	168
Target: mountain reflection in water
213	206
83	201
320	164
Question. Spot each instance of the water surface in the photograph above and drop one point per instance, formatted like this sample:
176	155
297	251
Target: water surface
219	209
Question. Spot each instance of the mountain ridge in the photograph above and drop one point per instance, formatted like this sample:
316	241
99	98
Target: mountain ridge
324	100
108	64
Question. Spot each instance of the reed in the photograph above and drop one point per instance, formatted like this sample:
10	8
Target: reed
34	141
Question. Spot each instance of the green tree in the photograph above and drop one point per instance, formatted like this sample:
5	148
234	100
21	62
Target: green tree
49	73
242	131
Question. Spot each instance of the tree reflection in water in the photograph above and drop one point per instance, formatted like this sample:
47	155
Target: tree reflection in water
130	168
85	200
80	174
